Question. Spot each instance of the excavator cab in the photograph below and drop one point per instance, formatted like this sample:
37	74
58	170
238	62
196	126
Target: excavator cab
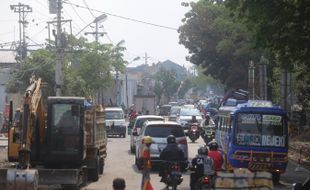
65	131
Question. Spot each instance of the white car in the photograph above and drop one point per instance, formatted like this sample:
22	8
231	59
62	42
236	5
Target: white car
159	131
115	121
137	127
186	115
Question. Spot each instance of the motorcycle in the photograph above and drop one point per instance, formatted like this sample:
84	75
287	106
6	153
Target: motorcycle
173	176
203	183
208	136
193	132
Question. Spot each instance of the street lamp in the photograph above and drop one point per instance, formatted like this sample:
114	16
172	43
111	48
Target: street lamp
135	59
97	20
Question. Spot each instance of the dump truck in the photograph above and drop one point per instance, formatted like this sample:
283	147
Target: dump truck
55	141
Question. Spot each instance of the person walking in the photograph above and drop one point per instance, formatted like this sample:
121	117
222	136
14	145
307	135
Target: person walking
146	164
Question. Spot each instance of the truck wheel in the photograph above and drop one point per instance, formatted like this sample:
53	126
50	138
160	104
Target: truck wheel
93	173
101	166
124	135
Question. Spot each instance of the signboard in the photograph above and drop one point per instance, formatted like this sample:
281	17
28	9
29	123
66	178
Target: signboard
250	118
276	141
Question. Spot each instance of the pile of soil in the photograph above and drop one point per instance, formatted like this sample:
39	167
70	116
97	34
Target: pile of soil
300	148
303	137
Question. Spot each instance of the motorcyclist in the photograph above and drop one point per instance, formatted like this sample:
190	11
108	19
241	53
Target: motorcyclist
202	165
171	153
216	155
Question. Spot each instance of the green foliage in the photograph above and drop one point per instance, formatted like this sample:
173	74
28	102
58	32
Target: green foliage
84	71
280	26
166	81
218	42
39	63
184	87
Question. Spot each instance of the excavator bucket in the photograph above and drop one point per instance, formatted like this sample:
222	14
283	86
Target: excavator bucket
22	179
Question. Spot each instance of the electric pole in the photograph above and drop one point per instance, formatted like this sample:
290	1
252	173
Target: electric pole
146	58
59	51
251	80
22	10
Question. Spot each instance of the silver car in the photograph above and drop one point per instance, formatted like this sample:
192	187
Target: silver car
137	126
159	131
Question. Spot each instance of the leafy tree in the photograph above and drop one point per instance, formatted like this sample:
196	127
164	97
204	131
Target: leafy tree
39	63
167	79
283	28
218	42
184	87
158	90
84	71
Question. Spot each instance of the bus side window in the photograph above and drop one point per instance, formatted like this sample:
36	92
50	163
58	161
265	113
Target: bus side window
229	124
220	123
225	124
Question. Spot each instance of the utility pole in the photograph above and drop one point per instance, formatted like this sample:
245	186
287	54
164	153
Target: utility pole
251	81
22	9
97	33
59	51
146	58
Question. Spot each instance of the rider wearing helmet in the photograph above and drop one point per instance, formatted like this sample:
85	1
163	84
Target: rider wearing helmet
171	153
216	155
202	165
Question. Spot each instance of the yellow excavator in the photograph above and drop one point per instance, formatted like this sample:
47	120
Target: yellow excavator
58	141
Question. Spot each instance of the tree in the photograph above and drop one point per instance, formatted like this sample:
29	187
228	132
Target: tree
218	42
85	71
168	82
281	27
184	87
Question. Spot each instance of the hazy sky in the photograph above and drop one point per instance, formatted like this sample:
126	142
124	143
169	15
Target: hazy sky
159	43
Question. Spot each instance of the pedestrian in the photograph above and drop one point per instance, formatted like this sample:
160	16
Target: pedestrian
119	184
146	164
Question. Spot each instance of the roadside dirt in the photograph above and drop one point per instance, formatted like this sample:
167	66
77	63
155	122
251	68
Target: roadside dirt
299	150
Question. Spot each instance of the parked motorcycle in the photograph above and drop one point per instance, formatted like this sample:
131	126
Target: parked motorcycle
193	132
173	177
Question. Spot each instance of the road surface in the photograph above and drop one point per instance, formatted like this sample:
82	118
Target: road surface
120	163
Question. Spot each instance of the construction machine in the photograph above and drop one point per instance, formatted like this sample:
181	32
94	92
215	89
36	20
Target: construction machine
58	141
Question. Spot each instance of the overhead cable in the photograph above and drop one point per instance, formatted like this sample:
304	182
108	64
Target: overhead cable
122	17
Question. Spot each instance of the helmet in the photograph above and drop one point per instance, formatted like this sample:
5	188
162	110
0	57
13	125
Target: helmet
171	139
203	151
147	140
213	145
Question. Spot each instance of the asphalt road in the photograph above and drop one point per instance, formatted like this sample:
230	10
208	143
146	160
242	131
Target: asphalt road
120	163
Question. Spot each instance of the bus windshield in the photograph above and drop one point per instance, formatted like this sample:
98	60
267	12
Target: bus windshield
261	130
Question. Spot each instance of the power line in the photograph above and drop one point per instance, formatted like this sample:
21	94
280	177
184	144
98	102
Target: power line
123	17
89	9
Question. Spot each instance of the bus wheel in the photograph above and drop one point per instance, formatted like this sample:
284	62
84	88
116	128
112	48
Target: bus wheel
275	177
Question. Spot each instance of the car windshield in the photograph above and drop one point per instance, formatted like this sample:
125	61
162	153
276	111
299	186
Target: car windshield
175	110
164	131
189	112
140	121
114	115
261	130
